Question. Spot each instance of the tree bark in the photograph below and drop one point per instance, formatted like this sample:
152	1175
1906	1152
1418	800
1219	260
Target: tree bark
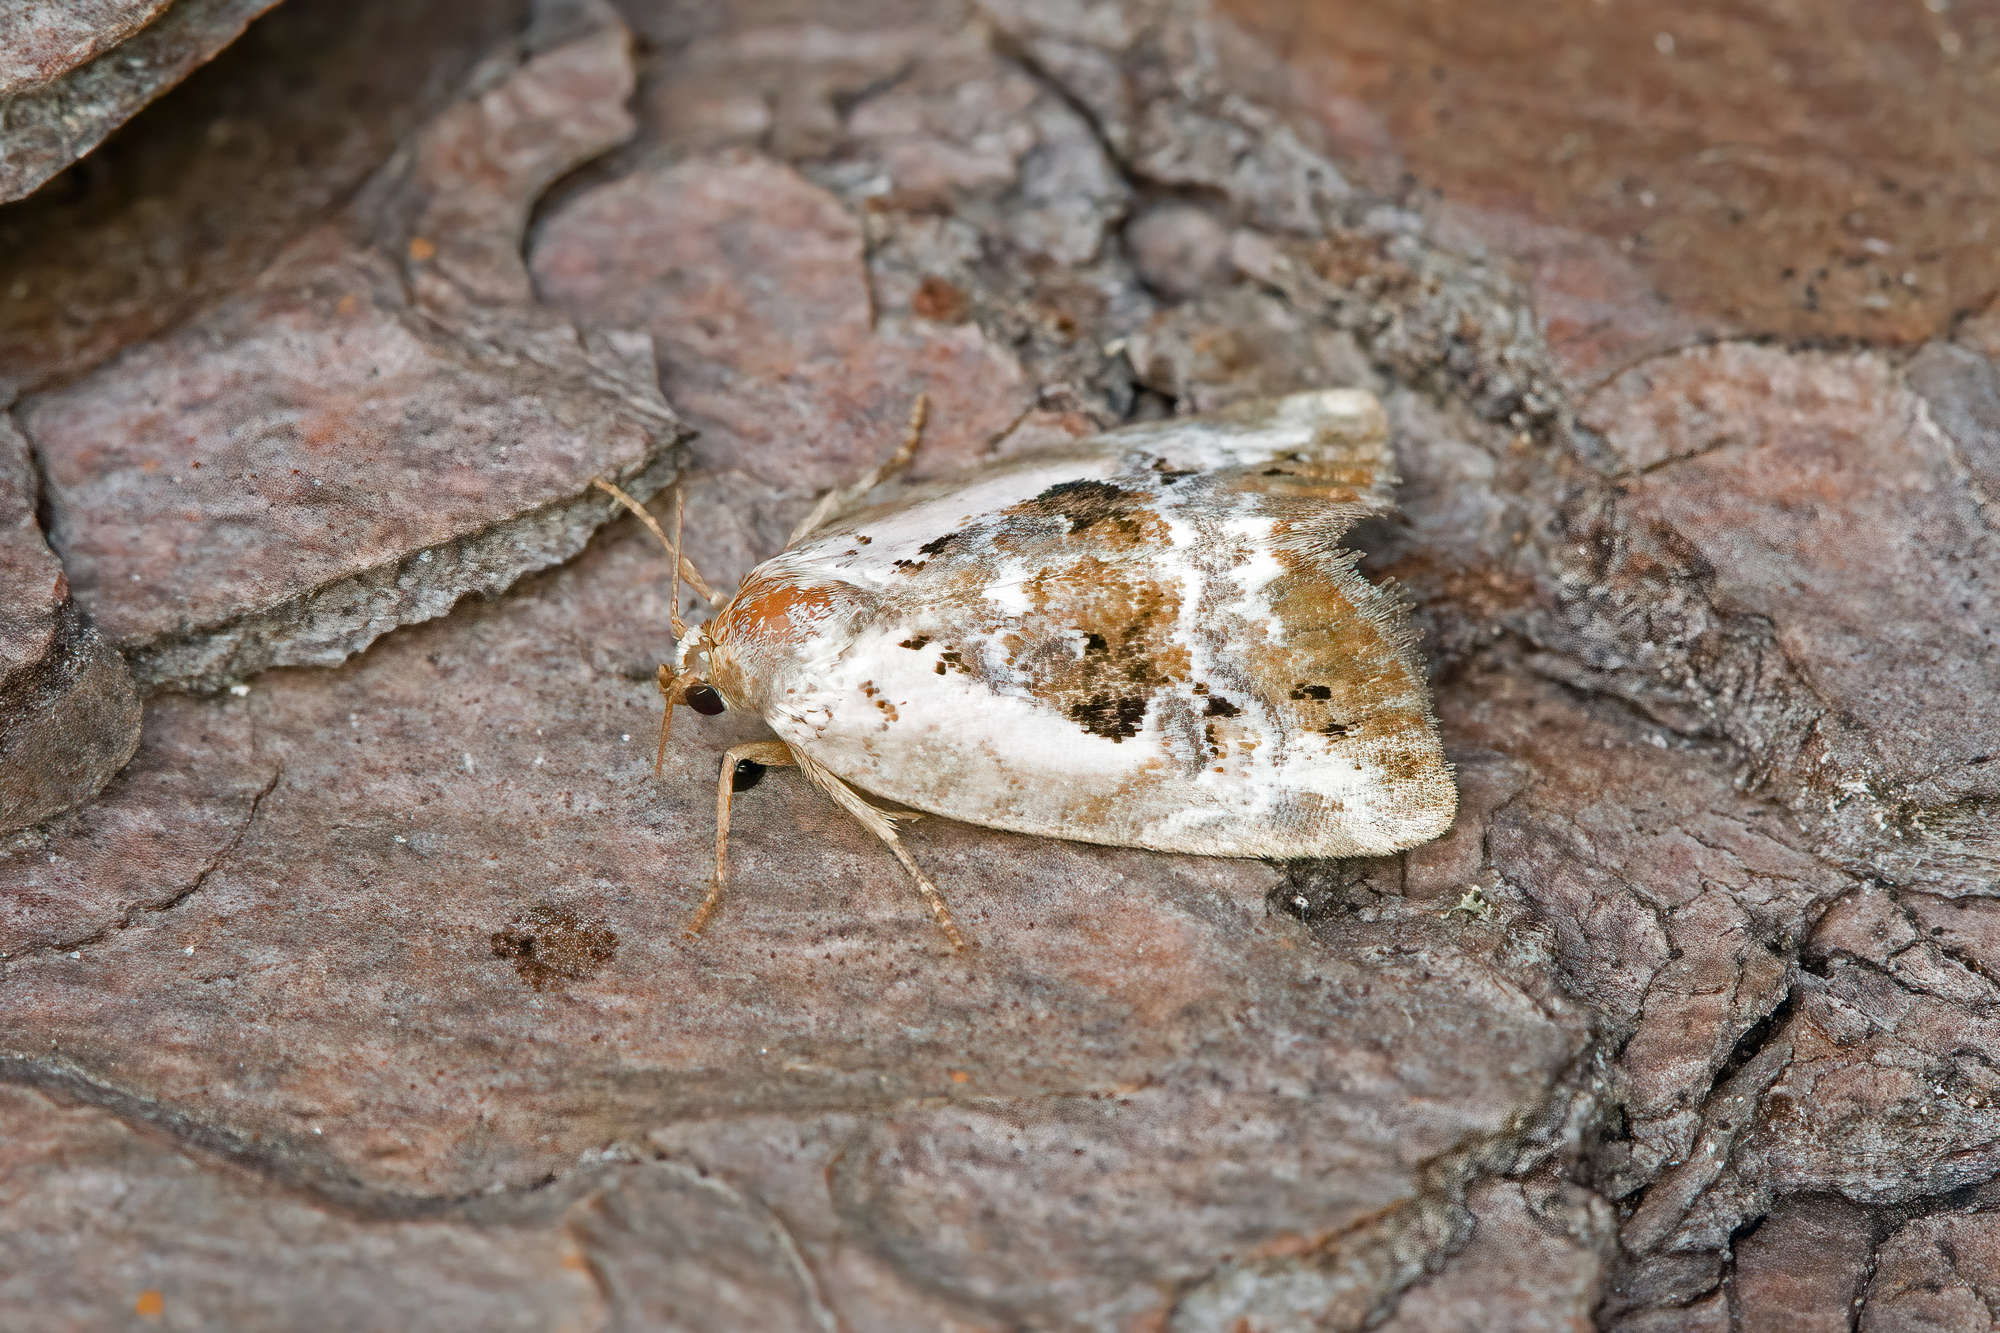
358	996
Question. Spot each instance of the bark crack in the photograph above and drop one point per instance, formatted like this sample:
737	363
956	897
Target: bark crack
130	916
823	1313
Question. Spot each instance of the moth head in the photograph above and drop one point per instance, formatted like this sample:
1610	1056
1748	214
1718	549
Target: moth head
686	682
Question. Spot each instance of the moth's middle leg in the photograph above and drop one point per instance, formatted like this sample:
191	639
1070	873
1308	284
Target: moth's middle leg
771	754
882	823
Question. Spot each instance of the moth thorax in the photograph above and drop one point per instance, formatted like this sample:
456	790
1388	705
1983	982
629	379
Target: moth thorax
778	624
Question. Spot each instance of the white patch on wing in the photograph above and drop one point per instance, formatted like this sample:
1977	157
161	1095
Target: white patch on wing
961	729
899	531
1252	569
1257	433
1009	596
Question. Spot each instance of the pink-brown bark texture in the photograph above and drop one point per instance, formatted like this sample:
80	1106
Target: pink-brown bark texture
342	978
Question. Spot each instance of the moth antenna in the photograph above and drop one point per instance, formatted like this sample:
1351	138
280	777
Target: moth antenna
683	567
674	606
841	496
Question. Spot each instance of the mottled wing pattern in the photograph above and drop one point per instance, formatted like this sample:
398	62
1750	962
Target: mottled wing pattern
1149	639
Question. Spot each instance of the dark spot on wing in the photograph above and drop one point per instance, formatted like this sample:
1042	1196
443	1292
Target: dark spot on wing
1220	707
937	544
939	668
874	695
1106	715
910	566
1083	503
915	641
1169	474
1312	692
1124	617
863	538
1334	729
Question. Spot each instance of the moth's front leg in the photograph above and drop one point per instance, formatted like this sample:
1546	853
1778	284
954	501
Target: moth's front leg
771	754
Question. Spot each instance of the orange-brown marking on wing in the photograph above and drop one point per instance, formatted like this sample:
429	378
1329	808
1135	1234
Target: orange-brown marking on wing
1334	471
874	695
1346	673
1126	619
1099	805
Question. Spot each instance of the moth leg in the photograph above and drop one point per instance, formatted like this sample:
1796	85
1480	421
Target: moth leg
882	824
842	496
771	754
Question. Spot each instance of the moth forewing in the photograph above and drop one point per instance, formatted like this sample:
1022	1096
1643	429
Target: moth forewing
1148	638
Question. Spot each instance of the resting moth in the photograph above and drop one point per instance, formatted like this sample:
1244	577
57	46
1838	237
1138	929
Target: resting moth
1149	638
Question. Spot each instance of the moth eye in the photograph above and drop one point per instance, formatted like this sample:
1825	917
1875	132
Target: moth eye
747	775
704	700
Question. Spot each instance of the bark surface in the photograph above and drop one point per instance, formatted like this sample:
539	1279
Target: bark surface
358	996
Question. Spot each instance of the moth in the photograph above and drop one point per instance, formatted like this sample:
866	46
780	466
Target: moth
1148	638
